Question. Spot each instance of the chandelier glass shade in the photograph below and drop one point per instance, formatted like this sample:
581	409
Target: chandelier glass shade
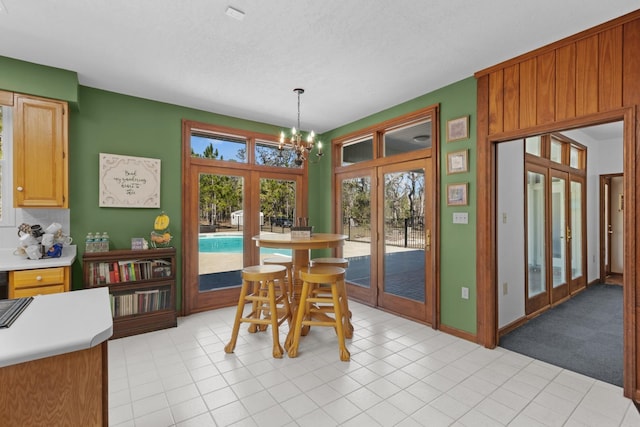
301	146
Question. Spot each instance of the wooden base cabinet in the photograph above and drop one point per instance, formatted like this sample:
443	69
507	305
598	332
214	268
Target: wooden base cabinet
141	287
38	281
66	390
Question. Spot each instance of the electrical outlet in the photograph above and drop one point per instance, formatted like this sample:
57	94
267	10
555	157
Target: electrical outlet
465	292
505	289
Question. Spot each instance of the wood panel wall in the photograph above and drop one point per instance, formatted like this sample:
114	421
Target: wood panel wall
591	77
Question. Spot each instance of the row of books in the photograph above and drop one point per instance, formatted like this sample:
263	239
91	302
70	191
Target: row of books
143	301
104	273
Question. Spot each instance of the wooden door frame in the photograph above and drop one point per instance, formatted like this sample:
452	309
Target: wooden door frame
604	204
579	284
402	305
604	235
486	276
365	295
542	300
250	170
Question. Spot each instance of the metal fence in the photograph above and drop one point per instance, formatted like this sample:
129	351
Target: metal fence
404	232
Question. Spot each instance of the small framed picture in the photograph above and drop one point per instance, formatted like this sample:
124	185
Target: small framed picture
137	243
458	129
457	162
457	194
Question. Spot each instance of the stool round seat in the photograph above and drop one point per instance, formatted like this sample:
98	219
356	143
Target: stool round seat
278	260
322	274
336	262
263	272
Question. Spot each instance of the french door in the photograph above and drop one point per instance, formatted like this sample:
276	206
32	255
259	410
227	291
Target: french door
387	212
555	229
226	208
404	232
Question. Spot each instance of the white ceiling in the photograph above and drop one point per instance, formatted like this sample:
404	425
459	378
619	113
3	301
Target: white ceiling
353	57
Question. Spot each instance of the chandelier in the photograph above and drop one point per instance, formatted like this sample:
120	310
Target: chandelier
301	147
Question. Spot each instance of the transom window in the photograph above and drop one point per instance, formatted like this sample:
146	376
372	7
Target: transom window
407	134
218	147
238	146
558	149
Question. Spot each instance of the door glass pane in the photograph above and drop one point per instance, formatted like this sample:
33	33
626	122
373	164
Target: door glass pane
574	157
404	234
535	234
219	147
357	151
220	241
268	154
533	146
576	229
356	224
277	211
409	138
556	151
558	228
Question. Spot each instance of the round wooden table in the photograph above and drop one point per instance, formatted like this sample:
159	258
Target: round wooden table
300	246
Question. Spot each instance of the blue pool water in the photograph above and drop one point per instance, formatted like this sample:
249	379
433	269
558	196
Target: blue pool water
230	244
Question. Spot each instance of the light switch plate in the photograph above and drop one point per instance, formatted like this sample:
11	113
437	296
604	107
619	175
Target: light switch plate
460	218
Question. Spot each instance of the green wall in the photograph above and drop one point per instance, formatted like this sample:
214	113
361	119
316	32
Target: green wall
125	125
457	242
34	79
106	122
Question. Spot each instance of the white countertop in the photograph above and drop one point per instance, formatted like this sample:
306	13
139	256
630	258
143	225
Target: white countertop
57	324
11	262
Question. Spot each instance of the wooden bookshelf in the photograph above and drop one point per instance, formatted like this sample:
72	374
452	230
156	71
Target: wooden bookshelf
142	287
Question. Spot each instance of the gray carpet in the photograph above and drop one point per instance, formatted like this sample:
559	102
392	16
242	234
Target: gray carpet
583	334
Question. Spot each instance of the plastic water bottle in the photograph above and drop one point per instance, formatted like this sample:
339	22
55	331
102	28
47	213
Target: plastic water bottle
104	242
97	245
88	243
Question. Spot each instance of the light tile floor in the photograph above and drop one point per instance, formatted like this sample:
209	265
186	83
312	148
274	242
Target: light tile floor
401	373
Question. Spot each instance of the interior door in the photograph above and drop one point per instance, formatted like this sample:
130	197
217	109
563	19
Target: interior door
537	238
404	250
560	235
577	232
616	219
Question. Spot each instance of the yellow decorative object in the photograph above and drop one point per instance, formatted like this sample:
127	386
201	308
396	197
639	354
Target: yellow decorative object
161	222
160	240
161	236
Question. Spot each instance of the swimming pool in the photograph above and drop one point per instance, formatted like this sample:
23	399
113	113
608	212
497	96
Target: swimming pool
230	244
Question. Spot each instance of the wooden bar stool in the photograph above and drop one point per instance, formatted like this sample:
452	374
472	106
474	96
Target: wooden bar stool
335	262
343	263
314	309
288	264
268	307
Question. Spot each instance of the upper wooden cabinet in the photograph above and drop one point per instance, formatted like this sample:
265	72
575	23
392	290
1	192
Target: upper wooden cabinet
41	165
